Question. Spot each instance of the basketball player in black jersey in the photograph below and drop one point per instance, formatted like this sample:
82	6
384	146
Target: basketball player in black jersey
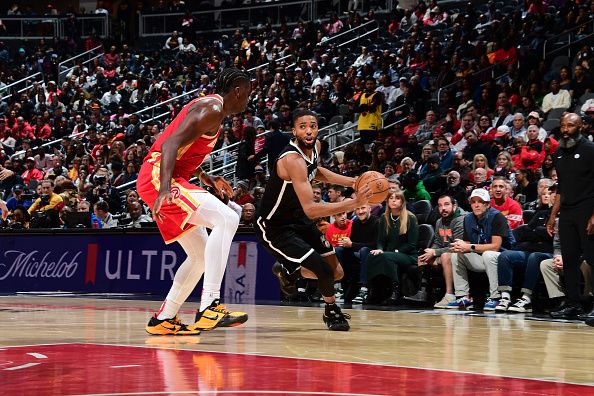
284	222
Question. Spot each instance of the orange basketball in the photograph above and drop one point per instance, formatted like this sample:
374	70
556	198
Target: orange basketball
378	184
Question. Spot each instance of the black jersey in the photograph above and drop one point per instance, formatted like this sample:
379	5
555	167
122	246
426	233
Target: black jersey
280	205
575	168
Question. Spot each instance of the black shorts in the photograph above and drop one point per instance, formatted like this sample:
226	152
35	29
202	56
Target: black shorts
291	244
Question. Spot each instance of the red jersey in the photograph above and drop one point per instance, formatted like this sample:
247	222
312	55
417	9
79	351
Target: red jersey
186	196
190	157
512	211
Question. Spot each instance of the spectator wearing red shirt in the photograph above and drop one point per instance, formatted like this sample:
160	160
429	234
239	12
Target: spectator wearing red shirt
237	127
42	130
413	124
508	207
340	228
22	130
31	173
112	57
242	195
533	152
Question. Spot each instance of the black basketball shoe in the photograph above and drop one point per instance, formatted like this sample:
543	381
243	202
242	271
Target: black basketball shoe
335	319
287	284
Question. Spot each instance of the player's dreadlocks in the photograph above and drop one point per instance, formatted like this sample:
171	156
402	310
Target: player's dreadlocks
229	79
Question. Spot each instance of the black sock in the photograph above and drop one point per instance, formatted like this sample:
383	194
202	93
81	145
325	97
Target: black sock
331	307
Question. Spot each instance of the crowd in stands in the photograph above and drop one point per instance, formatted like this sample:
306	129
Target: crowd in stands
445	103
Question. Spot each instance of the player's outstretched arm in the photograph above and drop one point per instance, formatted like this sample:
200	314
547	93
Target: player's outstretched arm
296	170
327	176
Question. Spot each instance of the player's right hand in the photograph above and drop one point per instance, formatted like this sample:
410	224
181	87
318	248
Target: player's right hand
163	196
363	196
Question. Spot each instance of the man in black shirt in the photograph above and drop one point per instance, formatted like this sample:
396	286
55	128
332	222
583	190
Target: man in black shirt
284	222
574	161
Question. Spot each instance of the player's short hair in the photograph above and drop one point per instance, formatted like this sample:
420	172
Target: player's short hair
230	78
303	112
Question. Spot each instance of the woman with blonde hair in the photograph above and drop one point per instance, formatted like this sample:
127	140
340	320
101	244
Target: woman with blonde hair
396	250
504	164
480	161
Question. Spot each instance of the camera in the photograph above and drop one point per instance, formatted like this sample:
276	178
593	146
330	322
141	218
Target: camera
101	191
100	179
45	199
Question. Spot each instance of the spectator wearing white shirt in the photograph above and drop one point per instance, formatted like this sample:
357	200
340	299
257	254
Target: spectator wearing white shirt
8	142
363	58
387	89
111	96
556	99
186	46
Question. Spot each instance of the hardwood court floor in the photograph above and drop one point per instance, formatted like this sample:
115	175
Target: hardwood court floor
51	345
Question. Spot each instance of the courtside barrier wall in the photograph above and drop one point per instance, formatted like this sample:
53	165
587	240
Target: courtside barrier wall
123	261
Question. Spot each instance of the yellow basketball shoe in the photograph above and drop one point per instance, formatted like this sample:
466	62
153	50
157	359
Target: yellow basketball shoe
172	326
209	318
231	319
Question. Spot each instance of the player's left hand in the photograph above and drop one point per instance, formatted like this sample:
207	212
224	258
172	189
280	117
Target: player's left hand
220	186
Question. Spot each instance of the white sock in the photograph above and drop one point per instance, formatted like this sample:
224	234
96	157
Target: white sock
168	310
450	296
188	274
208	296
527	298
506	295
223	222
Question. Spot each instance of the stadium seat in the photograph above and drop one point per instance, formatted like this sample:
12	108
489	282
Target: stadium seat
422	210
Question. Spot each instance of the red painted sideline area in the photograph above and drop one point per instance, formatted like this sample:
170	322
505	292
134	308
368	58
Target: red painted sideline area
102	369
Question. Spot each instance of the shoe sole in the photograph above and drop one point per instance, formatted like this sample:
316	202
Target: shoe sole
489	309
502	309
339	328
520	311
179	333
234	322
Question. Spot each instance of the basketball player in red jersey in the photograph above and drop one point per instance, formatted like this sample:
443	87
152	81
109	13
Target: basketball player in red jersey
183	211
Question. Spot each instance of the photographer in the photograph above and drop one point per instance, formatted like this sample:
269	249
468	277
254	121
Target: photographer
85	207
19	197
19	219
104	190
47	200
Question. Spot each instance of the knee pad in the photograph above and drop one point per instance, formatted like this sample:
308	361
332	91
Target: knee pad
316	264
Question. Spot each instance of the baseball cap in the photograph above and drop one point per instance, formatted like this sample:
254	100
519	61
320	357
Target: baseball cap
481	193
590	109
502	131
534	114
30	159
259	169
243	184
